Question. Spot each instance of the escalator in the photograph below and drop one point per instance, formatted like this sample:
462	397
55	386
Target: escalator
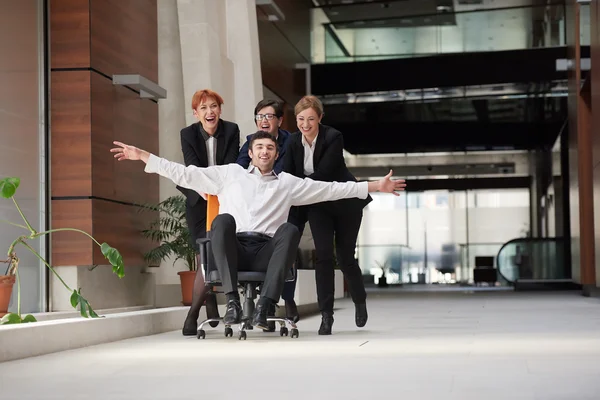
527	261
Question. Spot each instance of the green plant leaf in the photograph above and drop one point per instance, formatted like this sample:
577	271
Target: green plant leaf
10	318
29	318
8	187
115	259
85	309
75	299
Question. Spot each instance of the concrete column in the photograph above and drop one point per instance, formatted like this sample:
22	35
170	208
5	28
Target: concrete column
243	51
202	36
171	119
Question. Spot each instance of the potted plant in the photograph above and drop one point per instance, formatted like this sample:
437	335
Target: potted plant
171	233
382	282
8	188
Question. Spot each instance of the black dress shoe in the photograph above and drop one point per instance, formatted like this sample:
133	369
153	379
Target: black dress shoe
326	324
190	327
259	318
361	314
291	311
233	313
212	312
271	324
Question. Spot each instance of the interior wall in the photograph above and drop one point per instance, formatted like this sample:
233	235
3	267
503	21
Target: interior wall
90	41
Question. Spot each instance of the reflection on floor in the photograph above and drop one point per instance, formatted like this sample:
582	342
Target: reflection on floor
442	344
440	288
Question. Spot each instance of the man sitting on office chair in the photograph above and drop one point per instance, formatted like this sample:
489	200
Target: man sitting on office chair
251	232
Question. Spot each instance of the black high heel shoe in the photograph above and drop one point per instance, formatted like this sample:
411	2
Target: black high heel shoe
326	324
361	315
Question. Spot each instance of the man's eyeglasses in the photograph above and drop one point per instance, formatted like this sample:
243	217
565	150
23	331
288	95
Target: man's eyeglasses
268	117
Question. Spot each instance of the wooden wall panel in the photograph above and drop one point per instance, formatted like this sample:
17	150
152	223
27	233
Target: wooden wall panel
124	37
91	41
120	226
70	98
70	38
119	114
71	248
580	159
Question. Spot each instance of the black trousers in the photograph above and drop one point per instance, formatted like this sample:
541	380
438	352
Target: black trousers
298	217
331	227
239	252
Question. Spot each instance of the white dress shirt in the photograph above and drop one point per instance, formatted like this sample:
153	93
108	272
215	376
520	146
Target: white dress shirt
309	154
258	203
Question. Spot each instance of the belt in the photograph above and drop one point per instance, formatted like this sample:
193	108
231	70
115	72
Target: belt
256	234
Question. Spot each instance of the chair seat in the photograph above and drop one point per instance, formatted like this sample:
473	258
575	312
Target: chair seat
213	276
243	276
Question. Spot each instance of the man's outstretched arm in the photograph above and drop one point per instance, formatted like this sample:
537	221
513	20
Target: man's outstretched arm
206	180
306	191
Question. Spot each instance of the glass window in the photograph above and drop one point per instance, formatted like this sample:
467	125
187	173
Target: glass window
23	137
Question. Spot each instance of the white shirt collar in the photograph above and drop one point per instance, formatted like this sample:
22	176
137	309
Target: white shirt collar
255	171
305	143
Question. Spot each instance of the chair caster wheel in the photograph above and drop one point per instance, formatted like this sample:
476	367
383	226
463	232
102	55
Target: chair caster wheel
228	332
283	331
201	334
295	333
242	335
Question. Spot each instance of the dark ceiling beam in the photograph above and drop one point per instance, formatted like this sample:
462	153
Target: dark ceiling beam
409	137
326	4
444	70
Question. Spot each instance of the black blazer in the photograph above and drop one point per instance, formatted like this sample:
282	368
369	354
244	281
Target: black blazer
193	147
328	161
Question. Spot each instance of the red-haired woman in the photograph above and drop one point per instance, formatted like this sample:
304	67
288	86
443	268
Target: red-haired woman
210	141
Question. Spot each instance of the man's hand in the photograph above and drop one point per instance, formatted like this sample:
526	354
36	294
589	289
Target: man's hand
387	185
126	152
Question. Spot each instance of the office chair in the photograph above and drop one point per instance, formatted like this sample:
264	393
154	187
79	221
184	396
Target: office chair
248	281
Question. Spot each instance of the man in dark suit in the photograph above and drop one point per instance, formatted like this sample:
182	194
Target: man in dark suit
268	116
210	141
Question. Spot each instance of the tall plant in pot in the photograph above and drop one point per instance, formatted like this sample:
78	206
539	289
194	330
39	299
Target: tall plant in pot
171	232
8	188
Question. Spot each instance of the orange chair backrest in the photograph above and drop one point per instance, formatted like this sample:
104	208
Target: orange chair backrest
212	210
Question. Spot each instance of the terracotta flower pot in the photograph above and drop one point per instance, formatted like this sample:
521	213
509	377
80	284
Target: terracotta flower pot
187	286
6	286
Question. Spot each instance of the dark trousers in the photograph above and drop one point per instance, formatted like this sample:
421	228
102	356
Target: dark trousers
328	228
297	217
238	252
